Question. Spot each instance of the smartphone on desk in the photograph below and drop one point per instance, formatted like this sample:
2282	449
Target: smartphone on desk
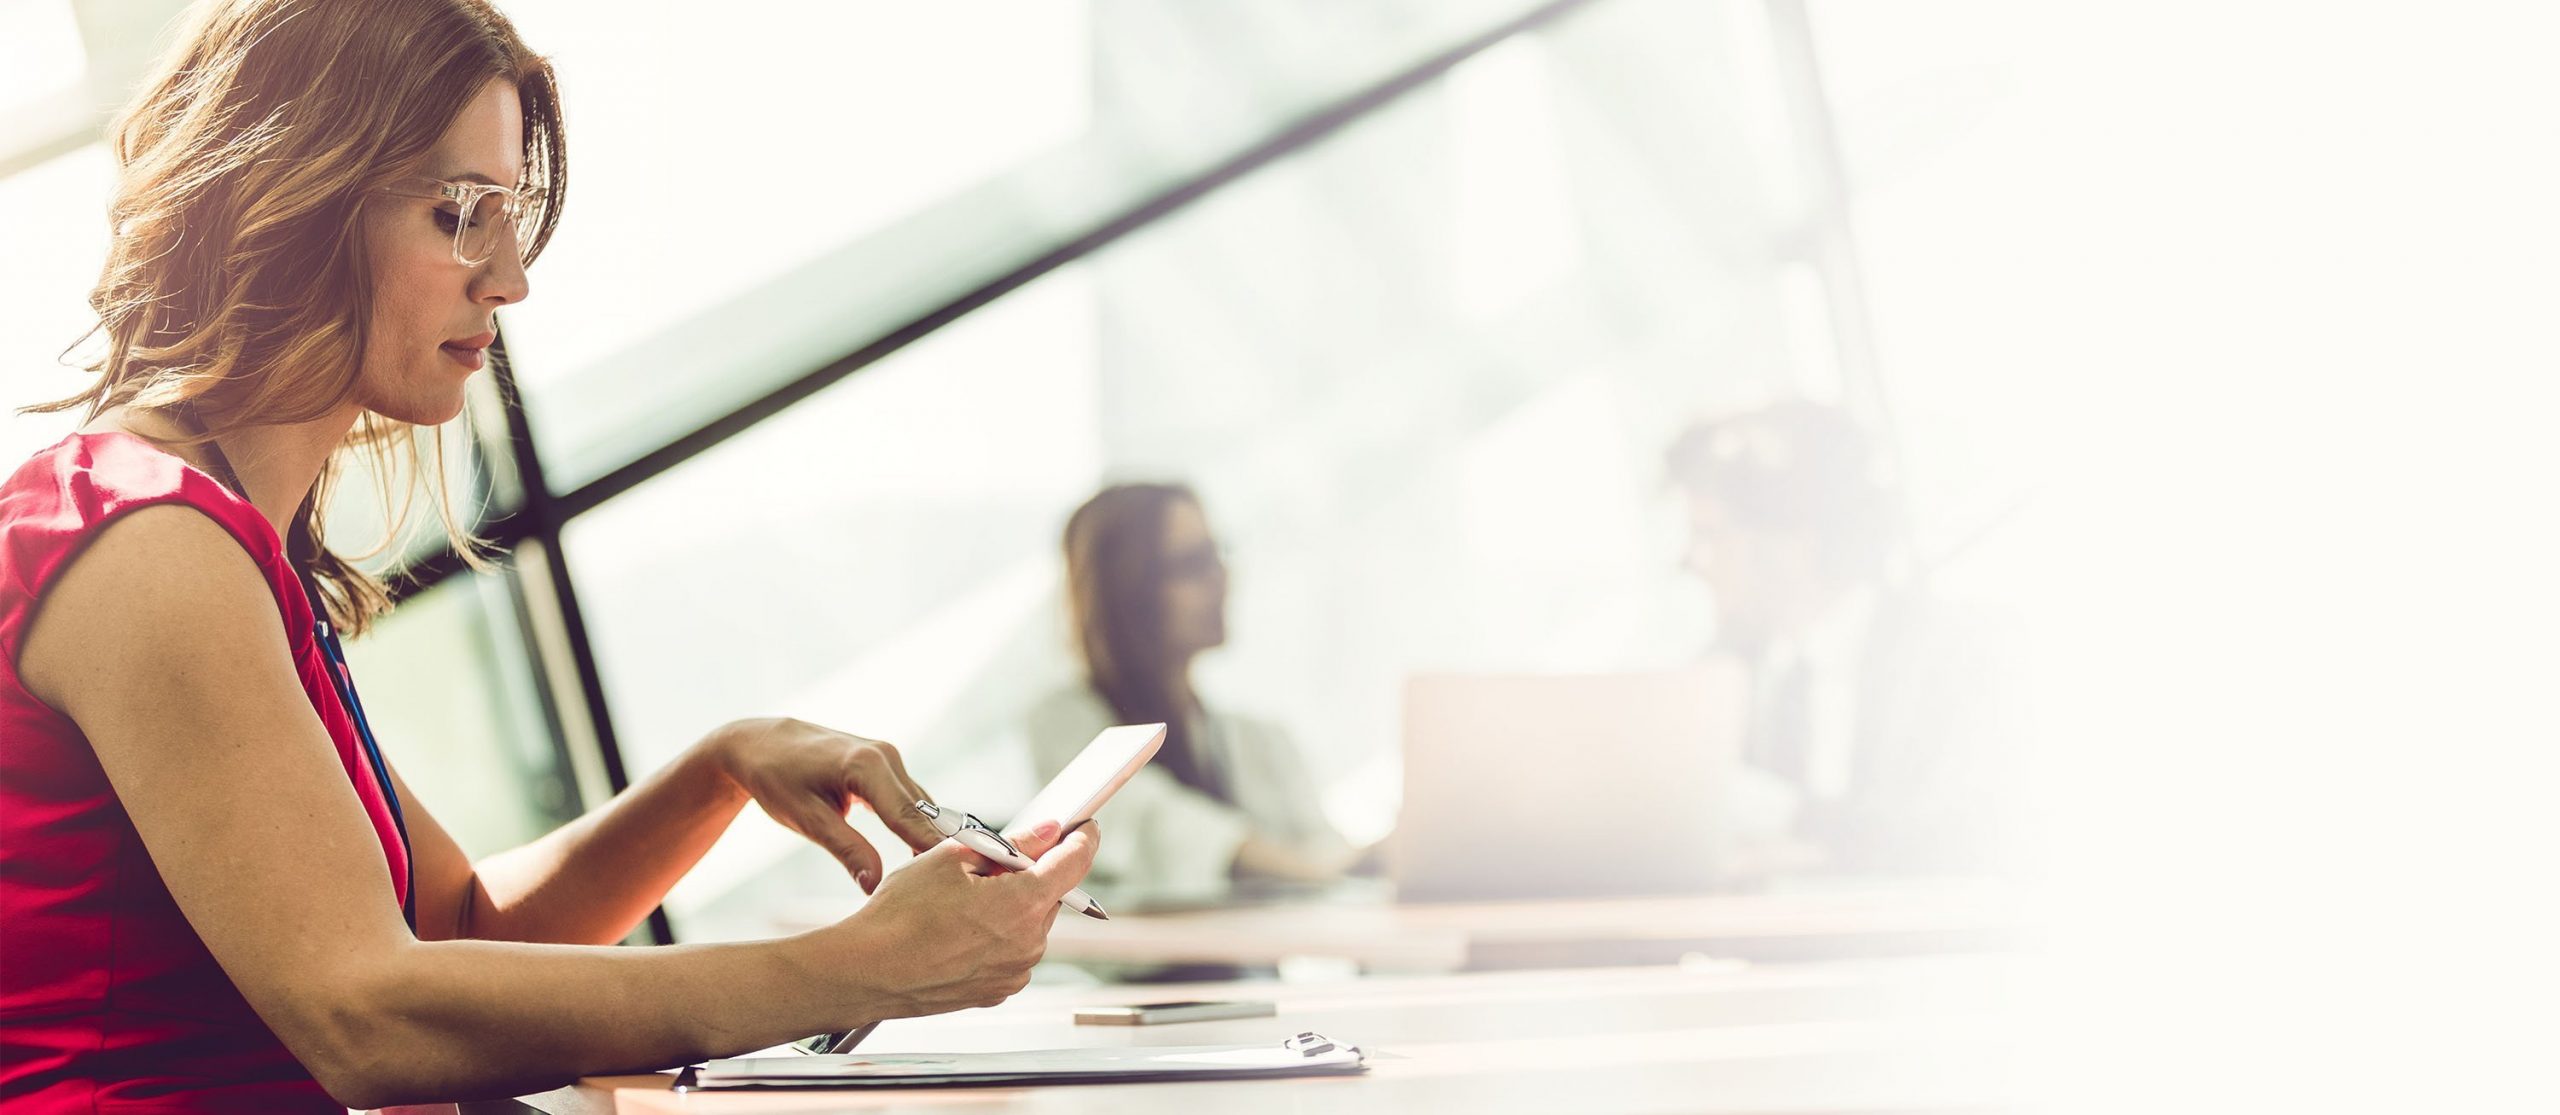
1151	1014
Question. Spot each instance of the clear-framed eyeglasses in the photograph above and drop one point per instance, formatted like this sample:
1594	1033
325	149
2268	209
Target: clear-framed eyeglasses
481	215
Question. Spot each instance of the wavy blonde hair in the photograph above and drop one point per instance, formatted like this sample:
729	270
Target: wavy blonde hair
236	286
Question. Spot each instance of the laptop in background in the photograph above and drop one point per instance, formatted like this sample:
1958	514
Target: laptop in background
1564	786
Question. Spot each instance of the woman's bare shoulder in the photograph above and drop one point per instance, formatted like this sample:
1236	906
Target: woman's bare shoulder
155	582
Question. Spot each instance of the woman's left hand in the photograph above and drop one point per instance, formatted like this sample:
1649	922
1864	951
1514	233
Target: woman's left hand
807	777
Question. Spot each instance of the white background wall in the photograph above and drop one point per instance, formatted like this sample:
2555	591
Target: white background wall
2265	292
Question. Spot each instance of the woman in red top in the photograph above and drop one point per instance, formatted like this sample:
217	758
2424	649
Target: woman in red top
214	896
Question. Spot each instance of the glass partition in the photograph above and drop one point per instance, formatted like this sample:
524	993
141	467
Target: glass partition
454	702
731	233
46	271
1422	374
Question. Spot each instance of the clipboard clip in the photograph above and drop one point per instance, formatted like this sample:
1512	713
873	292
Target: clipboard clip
1309	1043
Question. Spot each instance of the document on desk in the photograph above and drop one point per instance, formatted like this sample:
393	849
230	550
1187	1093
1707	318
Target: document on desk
1122	1065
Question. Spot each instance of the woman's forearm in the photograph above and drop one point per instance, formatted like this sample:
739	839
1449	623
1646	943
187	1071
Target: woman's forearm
446	1020
592	880
395	1020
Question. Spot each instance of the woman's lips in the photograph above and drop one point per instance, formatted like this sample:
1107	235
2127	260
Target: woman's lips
468	357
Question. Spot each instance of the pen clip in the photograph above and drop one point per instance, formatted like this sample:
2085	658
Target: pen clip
952	822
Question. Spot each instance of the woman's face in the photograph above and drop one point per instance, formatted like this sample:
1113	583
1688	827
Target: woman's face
1195	582
433	317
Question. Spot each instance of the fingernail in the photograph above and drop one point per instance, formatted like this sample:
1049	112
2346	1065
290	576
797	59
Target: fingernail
1046	830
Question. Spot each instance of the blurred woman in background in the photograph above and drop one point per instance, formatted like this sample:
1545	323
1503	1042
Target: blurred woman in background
1228	797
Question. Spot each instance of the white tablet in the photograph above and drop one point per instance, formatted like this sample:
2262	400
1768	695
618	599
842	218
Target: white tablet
1097	772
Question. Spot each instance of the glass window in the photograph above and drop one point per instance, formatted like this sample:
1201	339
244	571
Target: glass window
874	162
447	469
451	698
1423	375
40	50
1948	164
877	559
1426	417
44	290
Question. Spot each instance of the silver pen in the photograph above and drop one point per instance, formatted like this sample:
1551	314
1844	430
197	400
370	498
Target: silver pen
979	837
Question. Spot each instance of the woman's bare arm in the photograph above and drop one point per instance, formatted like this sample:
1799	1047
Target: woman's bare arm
590	881
593	879
162	642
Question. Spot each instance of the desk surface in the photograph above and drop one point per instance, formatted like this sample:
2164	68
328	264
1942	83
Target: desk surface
1861	921
1895	1034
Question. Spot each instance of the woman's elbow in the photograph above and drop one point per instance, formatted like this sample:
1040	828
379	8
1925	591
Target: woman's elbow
352	1052
355	1092
352	1035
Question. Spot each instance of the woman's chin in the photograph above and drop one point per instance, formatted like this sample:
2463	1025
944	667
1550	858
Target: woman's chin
420	412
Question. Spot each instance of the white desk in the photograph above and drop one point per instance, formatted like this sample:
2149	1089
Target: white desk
1898	1034
1865	921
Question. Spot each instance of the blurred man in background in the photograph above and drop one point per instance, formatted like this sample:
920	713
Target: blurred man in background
1875	726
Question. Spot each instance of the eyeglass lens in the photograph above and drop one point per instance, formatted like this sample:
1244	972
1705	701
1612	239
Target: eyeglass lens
491	219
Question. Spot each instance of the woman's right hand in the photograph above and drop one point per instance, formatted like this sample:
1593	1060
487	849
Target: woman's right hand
952	930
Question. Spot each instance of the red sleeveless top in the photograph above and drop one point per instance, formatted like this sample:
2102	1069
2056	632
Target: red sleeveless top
108	999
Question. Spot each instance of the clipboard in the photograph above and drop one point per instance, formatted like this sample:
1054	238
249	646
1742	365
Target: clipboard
1308	1054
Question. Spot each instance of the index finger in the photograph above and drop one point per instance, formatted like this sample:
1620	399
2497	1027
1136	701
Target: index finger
1065	865
895	801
